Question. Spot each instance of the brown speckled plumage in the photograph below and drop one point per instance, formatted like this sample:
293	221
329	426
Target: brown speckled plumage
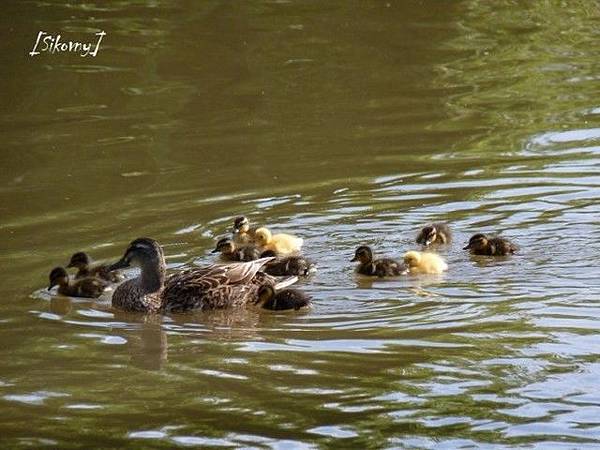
287	265
213	287
436	233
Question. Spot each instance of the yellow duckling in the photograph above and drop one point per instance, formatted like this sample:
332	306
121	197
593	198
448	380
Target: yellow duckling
423	262
282	244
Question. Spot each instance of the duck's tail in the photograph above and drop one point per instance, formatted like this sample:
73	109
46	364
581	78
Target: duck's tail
285	283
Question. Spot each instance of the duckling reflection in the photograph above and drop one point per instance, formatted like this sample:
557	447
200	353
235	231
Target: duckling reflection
480	244
231	252
86	287
383	267
242	233
285	299
288	265
423	262
86	269
436	233
281	243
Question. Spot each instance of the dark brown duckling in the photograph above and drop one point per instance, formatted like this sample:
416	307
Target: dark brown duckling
86	287
86	269
435	233
384	267
282	300
242	233
480	244
232	252
287	265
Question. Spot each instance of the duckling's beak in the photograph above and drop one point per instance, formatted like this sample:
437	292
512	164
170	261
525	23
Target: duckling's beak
354	259
120	264
216	250
468	246
70	265
51	286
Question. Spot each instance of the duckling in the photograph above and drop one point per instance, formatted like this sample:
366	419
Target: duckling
233	253
384	267
281	244
480	244
282	300
242	233
436	233
288	265
85	287
85	269
217	286
424	262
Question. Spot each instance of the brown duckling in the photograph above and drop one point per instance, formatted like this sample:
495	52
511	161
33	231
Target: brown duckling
86	269
435	233
384	267
282	300
424	262
232	252
480	244
287	265
242	233
86	287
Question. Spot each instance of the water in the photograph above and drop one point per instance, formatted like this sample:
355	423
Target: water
346	124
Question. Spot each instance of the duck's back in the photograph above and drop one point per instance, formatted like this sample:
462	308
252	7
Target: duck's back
432	263
286	243
502	247
387	267
212	287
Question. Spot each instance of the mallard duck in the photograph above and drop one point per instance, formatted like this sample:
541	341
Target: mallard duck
85	269
268	298
212	287
231	252
424	262
436	233
287	265
242	233
480	244
383	267
86	287
281	243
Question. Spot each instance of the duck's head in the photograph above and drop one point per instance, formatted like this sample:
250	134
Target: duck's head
224	245
140	252
268	254
428	235
79	260
262	236
58	277
241	224
478	240
412	258
265	294
364	254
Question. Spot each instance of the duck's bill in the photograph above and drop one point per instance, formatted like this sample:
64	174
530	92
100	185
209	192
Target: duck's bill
68	266
216	250
354	259
467	247
121	264
50	287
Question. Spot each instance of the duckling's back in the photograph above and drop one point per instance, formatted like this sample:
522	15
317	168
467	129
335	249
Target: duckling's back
432	263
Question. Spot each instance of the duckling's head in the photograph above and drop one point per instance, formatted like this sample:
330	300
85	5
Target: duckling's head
478	240
80	260
140	252
58	277
428	235
412	258
241	225
262	236
268	254
224	245
364	254
265	294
